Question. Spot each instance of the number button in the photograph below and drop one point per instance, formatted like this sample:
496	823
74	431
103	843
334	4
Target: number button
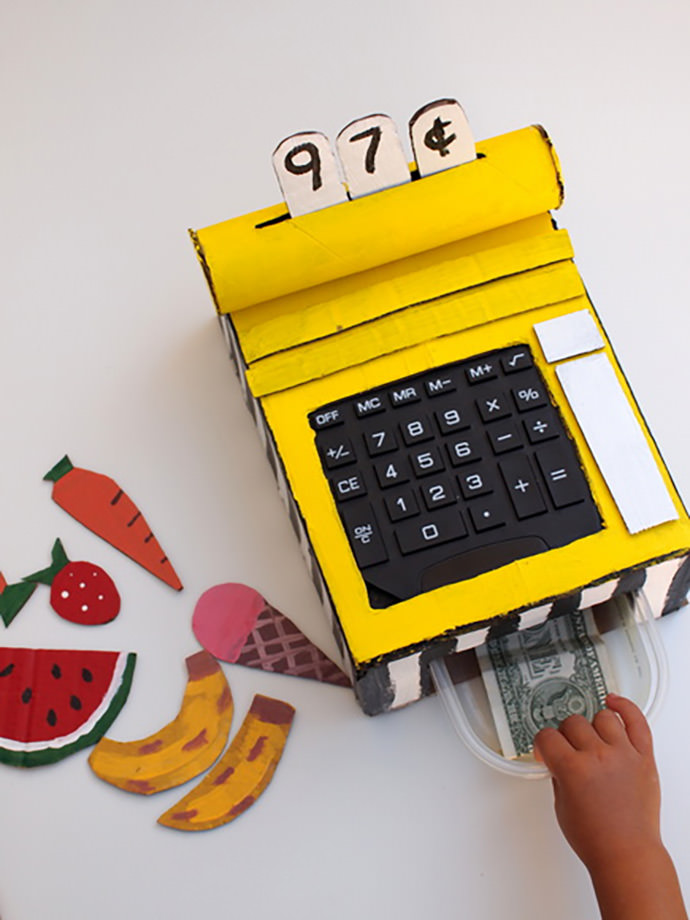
402	504
450	421
416	430
478	483
421	534
438	493
390	473
426	462
462	451
380	442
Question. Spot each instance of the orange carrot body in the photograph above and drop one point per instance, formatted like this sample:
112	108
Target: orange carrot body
98	503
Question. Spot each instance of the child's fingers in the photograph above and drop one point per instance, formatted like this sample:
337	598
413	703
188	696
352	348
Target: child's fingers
636	725
608	726
551	748
578	731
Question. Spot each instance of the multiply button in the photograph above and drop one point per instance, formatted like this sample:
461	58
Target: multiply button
521	483
492	405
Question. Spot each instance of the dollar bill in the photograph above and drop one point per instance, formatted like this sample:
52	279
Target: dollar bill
540	676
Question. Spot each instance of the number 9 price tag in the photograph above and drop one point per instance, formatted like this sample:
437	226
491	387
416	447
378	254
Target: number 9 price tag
308	173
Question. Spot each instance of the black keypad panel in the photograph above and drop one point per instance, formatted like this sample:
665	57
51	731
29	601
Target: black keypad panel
448	474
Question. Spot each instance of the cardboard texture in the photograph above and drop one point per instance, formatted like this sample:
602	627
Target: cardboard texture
98	503
54	702
242	774
236	624
80	592
13	598
323	307
180	750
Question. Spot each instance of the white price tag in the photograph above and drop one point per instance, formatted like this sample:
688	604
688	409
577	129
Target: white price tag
308	173
371	155
441	137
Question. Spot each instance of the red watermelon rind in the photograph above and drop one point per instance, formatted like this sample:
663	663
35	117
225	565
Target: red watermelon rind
51	754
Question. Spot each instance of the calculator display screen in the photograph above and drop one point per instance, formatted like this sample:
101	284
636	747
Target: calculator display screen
444	475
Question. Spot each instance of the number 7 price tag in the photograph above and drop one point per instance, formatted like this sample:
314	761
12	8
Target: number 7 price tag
308	173
371	155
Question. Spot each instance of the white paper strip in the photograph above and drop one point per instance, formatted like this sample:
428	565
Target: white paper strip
568	335
371	155
441	137
307	173
617	442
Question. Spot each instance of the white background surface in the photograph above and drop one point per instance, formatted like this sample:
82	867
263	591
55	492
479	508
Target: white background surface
125	122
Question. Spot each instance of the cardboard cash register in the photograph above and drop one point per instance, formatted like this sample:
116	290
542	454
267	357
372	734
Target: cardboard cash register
459	450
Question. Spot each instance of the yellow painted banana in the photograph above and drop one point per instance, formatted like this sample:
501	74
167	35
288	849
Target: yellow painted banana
241	775
183	748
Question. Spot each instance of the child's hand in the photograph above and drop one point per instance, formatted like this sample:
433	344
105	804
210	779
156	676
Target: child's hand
605	781
607	803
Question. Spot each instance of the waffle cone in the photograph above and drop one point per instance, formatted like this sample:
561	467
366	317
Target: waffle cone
276	644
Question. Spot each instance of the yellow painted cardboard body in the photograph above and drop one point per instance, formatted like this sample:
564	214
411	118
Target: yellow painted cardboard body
374	290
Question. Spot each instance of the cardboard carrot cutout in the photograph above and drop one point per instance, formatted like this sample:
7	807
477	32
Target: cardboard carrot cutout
81	592
98	503
236	624
241	775
13	598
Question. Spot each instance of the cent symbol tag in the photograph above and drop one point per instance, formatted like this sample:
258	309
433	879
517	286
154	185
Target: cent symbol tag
441	137
308	173
371	155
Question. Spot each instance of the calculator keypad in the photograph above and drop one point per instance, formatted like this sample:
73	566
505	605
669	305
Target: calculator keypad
444	475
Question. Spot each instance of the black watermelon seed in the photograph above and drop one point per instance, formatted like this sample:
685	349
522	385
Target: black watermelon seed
26	695
86	675
8	670
75	702
56	672
51	718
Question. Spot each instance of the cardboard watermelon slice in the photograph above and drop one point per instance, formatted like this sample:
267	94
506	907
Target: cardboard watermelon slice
54	702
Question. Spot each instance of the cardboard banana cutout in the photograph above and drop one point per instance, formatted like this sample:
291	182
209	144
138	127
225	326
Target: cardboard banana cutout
183	748
242	774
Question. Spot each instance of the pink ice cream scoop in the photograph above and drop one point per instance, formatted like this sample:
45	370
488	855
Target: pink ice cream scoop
235	623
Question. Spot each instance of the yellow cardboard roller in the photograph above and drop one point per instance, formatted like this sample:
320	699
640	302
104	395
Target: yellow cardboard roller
265	254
